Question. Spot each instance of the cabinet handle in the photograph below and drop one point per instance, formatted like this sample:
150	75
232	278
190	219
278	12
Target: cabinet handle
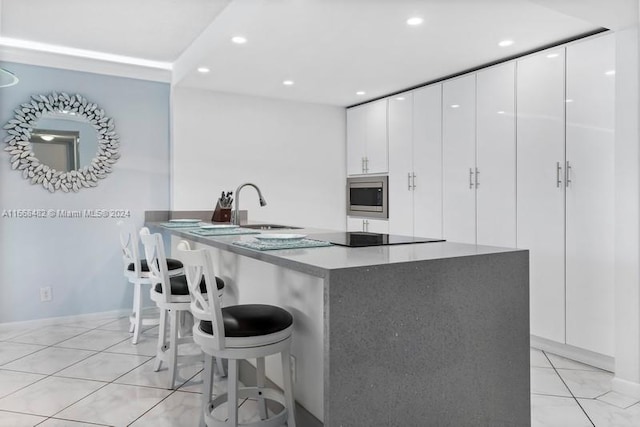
366	164
567	178
558	172
409	181
414	180
362	164
477	180
365	225
470	178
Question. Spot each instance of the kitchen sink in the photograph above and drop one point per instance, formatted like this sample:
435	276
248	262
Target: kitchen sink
269	227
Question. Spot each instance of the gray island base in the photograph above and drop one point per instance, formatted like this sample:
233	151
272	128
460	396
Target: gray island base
431	334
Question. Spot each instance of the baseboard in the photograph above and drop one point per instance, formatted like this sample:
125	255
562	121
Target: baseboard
247	375
574	353
37	323
626	387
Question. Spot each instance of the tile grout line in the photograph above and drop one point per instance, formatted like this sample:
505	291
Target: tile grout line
568	388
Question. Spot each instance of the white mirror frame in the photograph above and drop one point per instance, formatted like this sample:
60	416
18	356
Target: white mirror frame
20	127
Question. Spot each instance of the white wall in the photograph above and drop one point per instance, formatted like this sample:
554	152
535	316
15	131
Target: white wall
295	153
80	257
627	209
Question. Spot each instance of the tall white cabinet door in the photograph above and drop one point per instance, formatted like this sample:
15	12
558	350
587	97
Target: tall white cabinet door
427	161
496	156
356	139
458	144
400	165
376	145
589	194
540	197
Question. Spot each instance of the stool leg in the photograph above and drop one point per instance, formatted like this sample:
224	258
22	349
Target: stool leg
220	367
232	392
137	300
288	388
262	404
173	347
132	318
207	386
162	340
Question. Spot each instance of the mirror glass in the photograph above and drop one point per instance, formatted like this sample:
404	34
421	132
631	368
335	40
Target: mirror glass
64	141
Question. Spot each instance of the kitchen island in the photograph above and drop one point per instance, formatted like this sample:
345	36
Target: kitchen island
428	334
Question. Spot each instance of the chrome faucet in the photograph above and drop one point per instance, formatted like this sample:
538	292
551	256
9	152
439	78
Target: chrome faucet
236	213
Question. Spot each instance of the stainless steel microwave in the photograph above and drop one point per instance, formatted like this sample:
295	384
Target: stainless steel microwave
368	196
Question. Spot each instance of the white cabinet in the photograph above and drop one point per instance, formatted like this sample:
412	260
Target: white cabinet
427	161
479	160
496	156
540	195
367	148
415	163
565	191
589	194
367	225
459	159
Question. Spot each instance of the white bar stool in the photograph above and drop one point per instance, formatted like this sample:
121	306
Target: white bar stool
171	295
136	271
249	331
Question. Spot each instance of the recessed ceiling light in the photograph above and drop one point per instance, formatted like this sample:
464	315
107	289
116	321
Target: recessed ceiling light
415	20
553	55
239	40
500	112
360	92
400	98
568	100
203	70
505	43
610	72
48	137
455	106
287	82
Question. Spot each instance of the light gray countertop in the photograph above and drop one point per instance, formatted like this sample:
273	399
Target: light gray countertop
319	261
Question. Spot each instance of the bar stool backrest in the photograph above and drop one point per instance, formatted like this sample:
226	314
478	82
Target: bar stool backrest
198	263
157	261
130	248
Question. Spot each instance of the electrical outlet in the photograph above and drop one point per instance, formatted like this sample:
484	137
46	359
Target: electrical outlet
294	370
45	294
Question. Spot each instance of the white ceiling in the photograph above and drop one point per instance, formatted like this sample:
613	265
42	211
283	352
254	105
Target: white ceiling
330	48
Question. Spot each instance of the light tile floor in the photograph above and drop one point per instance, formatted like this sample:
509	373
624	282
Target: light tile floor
565	393
87	373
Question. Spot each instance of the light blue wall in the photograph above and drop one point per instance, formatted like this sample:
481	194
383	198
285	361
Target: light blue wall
80	258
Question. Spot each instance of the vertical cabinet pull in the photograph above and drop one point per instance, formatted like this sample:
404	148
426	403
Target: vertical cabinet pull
567	178
471	178
413	177
409	181
558	173
362	163
477	180
366	164
365	225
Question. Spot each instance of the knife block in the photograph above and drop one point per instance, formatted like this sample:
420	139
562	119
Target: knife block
221	215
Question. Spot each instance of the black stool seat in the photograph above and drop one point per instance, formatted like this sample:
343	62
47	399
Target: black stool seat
179	285
172	264
251	320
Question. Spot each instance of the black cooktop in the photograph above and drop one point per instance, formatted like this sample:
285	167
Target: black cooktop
361	239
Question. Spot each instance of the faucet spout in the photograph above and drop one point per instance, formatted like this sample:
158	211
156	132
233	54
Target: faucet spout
236	209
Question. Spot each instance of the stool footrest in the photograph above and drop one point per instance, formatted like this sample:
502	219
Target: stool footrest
276	420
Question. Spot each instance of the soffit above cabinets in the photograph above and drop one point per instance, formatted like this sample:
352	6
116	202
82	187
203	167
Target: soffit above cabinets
330	49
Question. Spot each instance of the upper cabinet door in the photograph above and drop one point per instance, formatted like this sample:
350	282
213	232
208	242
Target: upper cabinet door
540	195
427	161
496	156
590	194
459	161
401	164
356	139
377	147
